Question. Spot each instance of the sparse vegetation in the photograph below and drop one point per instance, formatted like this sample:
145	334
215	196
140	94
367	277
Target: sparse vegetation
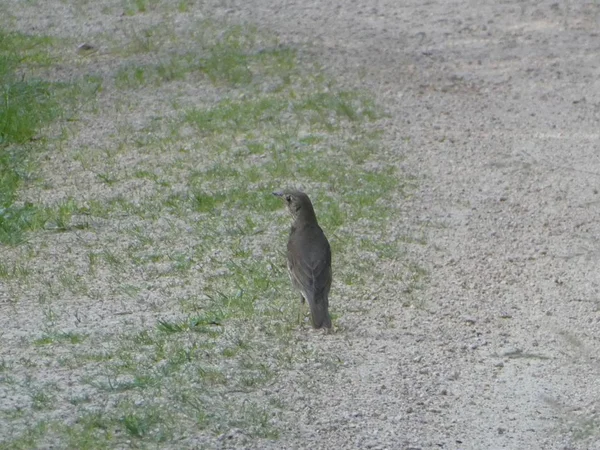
158	260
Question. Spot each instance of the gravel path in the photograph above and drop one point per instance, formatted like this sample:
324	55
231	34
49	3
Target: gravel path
500	103
494	106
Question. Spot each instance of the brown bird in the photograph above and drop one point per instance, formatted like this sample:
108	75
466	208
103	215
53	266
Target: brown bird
308	257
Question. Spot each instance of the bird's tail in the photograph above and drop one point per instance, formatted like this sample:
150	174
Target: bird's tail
319	311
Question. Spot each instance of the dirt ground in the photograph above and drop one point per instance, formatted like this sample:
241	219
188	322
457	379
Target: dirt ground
500	102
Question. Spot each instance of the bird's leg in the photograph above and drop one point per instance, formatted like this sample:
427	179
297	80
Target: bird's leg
300	314
301	310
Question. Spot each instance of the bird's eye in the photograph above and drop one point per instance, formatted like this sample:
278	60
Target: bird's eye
288	198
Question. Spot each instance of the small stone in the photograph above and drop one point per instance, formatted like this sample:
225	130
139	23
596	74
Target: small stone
84	49
512	352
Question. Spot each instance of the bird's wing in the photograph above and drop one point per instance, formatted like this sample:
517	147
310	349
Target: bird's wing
309	261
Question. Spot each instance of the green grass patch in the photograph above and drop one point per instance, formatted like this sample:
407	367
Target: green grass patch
15	221
234	59
27	105
68	337
133	7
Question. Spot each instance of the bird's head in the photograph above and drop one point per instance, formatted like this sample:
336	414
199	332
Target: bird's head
298	204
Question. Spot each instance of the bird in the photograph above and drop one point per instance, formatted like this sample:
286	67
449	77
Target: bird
308	257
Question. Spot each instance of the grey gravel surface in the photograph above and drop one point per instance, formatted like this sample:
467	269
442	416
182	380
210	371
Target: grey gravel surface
494	106
500	105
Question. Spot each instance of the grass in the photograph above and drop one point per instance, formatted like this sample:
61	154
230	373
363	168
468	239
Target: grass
153	275
28	105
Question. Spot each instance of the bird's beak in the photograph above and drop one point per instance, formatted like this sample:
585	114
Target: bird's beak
278	193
